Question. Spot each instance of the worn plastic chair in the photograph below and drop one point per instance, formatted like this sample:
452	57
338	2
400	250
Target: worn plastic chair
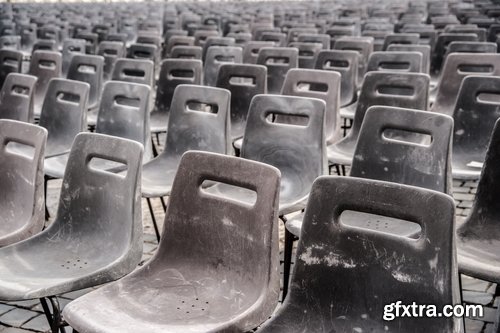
16	97
22	181
442	42
278	38
186	52
88	243
362	45
111	51
476	111
425	50
456	67
133	70
143	52
199	120
324	85
10	62
278	61
70	48
307	53
346	63
353	274
401	38
193	293
406	90
45	45
322	39
393	61
477	237
89	69
175	41
244	81
215	57
10	42
91	41
471	47
251	51
216	41
45	65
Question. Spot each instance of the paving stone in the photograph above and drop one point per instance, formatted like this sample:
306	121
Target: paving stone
5	308
14	330
460	189
476	297
473	326
37	324
17	317
470	283
490	328
463	196
77	293
465	204
30	303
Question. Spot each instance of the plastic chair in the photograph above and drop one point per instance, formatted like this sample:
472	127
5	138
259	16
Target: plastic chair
405	90
88	68
196	294
133	70
200	36
324	85
442	43
10	62
177	41
393	61
471	47
346	63
111	51
401	38
186	52
322	39
362	45
278	38
456	67
216	41
307	53
45	65
10	43
234	77
199	120
251	51
71	47
143	52
278	61
353	274
22	181
88	243
215	57
45	45
16	97
476	111
425	50
91	41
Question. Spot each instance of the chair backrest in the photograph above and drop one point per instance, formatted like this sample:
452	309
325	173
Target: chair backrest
356	272
476	111
251	51
200	36
244	81
186	52
178	41
10	42
111	51
324	85
28	36
45	45
404	90
188	240
124	111
471	47
22	180
216	41
88	68
298	151
133	70
91	41
425	50
174	72
143	51
346	63
307	53
401	38
388	134
16	97
100	203
45	65
215	57
10	62
362	45
64	113
456	67
395	61
71	47
278	38
278	61
442	42
199	120
322	39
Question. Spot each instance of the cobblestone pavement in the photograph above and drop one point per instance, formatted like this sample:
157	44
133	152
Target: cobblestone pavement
27	316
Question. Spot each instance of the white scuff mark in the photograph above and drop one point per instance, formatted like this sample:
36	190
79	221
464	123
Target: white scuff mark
331	260
357	329
401	277
227	222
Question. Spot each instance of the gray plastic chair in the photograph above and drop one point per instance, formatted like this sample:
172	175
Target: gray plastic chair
307	53
71	47
88	244
91	41
200	36
252	49
10	43
456	67
344	277
133	70
401	38
45	65
406	90
278	61
471	47
22	181
425	50
278	38
196	280
362	45
476	111
393	61
322	39
477	237
215	57
45	45
442	42
10	62
320	84
111	51
89	69
175	41
173	72
216	41
16	97
231	77
186	52
143	52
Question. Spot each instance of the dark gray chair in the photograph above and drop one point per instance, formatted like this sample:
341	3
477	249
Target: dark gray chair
196	280
186	52
175	41
10	62
362	45
395	61
45	45
143	52
111	51
215	57
10	43
133	70
307	53
216	41
22	197
425	50
442	42
401	38
252	49
199	120
88	243
16	97
406	90
71	47
89	69
244	81
344	277
173	72
476	111
91	41
45	65
278	61
322	39
278	38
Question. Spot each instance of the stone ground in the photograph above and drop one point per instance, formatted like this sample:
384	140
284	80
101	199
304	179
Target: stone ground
27	316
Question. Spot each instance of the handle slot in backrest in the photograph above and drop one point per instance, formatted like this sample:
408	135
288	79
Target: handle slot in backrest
312	86
395	90
406	137
133	72
181	74
101	163
352	48
227	191
306	53
277	60
336	64
87	68
488	98
10	61
20	90
110	52
142	54
75	48
17	148
47	64
394	65
224	58
68	97
127	101
240	80
277	117
197	106
475	68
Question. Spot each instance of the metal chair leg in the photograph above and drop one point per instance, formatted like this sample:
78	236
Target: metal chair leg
153	218
45	185
54	318
153	146
287	261
163	204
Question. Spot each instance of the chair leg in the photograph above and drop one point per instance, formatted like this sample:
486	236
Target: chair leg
163	204
45	184
54	318
153	146
157	134
343	170
153	218
287	261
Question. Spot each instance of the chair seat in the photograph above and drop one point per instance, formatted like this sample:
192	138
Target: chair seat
188	301
54	167
341	153
15	231
158	121
461	169
348	111
158	176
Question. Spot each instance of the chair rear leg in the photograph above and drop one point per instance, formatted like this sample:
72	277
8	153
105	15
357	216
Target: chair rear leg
153	218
